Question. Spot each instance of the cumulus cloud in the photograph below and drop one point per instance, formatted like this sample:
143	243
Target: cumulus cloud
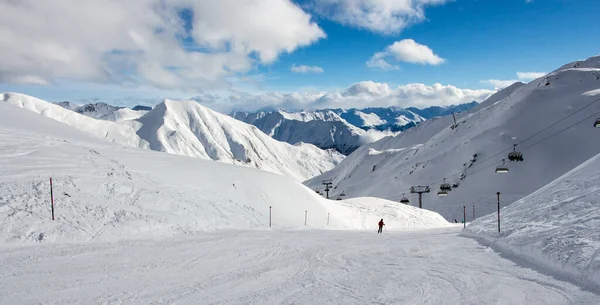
306	69
530	75
359	95
147	42
382	16
406	50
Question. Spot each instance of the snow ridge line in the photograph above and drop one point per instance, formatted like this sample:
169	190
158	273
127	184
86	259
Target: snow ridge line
539	260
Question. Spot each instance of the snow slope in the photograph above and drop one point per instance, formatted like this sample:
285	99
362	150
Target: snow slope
187	128
432	151
324	129
279	267
106	192
556	226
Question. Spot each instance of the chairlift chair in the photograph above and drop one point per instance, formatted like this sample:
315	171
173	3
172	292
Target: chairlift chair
515	155
342	194
597	123
442	193
404	200
503	168
339	198
445	187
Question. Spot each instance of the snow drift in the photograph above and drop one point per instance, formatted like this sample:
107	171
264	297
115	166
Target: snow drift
189	129
108	192
556	226
546	116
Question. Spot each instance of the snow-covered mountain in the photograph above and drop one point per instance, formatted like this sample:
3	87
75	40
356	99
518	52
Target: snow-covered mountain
189	129
529	115
394	118
555	227
342	129
325	129
107	192
104	111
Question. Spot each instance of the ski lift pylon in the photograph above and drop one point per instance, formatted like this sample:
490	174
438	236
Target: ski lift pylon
515	155
503	168
404	199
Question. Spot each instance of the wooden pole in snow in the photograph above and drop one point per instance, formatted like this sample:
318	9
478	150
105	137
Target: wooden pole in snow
51	198
305	215
327	219
464	216
269	216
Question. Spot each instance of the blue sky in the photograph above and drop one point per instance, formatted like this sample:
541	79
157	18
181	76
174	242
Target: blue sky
481	44
479	40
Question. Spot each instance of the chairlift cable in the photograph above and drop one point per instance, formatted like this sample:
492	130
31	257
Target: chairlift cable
534	144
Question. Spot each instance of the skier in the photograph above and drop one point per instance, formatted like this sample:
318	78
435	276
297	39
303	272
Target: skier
381	224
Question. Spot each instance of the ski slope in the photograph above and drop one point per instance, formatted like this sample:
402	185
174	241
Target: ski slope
551	117
555	227
189	129
280	267
104	192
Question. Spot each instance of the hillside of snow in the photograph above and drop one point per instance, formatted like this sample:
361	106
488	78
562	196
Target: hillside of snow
550	118
189	129
108	192
555	227
324	129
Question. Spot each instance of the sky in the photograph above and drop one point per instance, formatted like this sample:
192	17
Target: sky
293	54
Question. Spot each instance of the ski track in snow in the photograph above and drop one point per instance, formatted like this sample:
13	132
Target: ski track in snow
279	267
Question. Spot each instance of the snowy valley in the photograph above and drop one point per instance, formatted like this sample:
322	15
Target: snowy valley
418	152
143	198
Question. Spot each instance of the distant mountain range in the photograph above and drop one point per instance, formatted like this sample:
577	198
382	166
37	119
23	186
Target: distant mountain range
342	129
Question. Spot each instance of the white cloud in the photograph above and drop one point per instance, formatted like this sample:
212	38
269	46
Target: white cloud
306	69
530	75
406	50
359	95
382	16
378	62
522	76
138	41
499	84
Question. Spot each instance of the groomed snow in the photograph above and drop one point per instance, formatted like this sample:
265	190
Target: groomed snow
279	267
105	192
556	226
